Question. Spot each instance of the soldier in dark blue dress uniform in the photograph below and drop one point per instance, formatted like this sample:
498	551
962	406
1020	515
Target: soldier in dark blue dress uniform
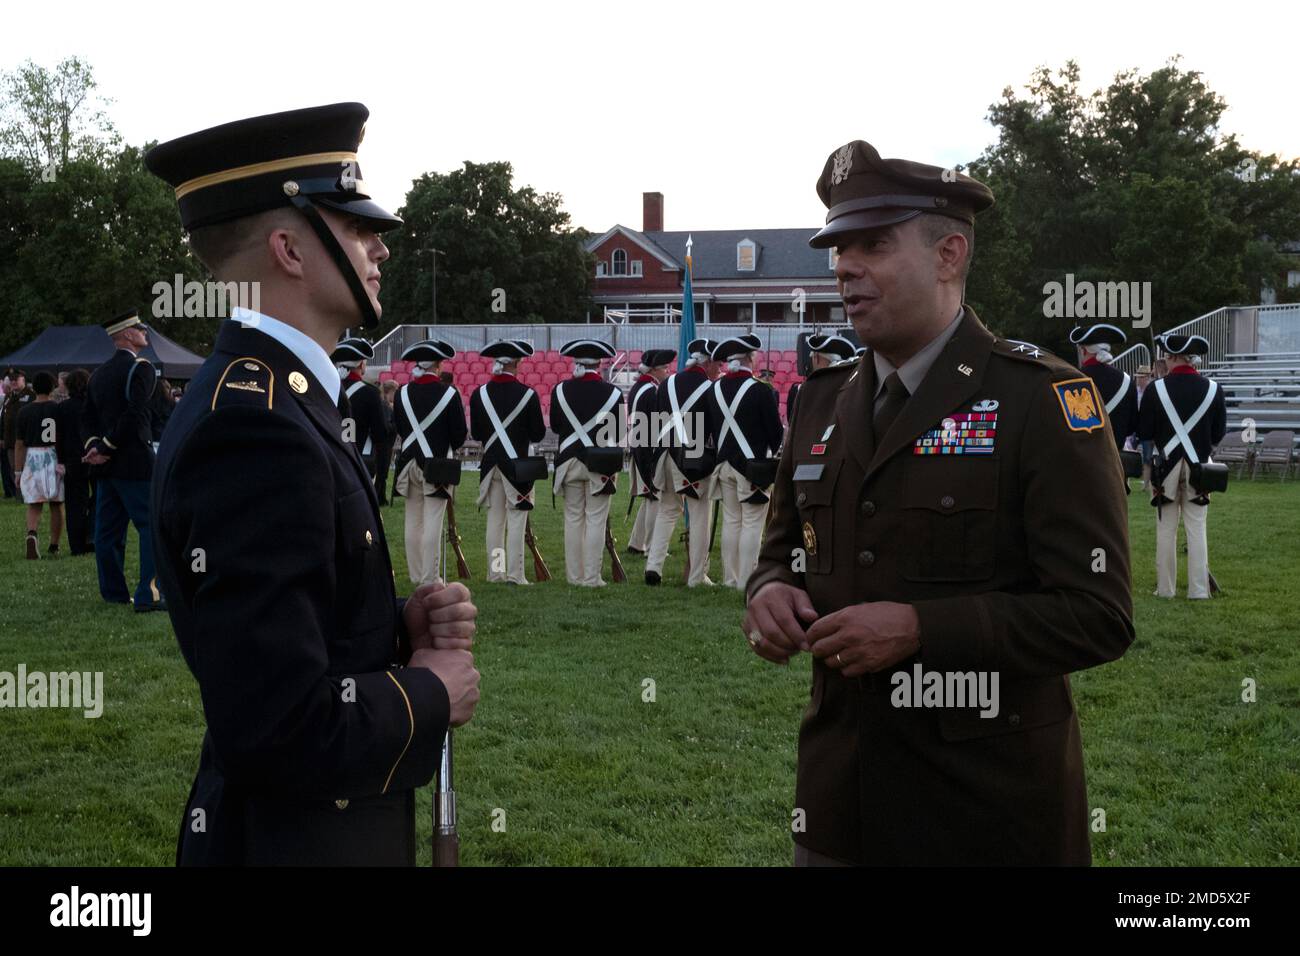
327	697
118	425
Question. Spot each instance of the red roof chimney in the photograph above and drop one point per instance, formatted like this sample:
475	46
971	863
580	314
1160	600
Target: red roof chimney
652	212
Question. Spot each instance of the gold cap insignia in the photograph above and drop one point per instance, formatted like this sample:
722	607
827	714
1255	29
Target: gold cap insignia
341	804
298	382
290	188
369	537
809	538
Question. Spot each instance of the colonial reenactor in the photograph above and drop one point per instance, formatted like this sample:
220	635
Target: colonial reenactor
585	416
642	405
1118	390
1184	415
684	474
506	416
364	408
824	349
327	697
950	503
117	423
430	419
748	434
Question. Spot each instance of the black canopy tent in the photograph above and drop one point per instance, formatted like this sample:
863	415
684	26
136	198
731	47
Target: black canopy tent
62	348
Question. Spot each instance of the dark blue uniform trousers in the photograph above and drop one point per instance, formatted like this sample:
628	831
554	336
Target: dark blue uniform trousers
118	500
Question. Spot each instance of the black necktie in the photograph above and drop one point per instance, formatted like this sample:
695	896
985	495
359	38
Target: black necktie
896	395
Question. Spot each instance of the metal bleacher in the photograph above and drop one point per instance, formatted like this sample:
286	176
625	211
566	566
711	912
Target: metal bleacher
1262	388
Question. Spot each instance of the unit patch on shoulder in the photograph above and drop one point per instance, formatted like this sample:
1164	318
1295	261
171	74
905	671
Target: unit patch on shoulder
1080	404
246	381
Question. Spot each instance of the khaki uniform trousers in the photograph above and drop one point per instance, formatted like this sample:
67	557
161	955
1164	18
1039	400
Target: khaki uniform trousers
1180	492
424	519
742	526
585	514
671	504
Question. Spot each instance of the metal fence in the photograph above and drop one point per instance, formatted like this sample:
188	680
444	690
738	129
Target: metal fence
1132	357
624	338
1246	329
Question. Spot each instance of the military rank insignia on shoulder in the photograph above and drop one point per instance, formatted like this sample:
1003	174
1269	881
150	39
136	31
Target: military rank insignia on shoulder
1080	404
246	381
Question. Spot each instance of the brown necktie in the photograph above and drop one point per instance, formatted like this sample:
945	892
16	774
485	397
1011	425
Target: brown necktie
896	395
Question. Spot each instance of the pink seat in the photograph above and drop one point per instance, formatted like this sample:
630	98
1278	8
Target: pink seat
386	376
784	366
550	378
401	378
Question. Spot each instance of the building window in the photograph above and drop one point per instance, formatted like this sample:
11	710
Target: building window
1292	279
832	257
619	262
600	269
746	254
636	267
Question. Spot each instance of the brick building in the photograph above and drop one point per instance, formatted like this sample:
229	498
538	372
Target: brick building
739	275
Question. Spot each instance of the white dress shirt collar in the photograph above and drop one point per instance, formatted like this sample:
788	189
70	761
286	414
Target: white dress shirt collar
302	345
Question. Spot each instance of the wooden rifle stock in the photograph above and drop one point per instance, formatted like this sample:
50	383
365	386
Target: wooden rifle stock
453	539
540	571
616	565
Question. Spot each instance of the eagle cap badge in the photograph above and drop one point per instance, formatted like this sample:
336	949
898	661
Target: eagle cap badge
841	163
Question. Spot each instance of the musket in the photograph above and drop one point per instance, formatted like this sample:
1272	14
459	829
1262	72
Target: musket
446	836
616	565
540	571
453	539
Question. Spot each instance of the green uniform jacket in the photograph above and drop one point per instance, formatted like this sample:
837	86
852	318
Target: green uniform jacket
1000	551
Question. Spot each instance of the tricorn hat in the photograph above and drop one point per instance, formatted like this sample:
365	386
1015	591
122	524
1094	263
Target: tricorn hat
736	345
831	344
587	350
654	358
1180	344
507	349
352	350
430	350
1097	334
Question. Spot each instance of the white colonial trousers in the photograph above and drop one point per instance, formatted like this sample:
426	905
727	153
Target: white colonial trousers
506	524
1180	492
585	514
670	481
425	514
742	526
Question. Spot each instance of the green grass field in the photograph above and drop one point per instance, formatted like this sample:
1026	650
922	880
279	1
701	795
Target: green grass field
589	773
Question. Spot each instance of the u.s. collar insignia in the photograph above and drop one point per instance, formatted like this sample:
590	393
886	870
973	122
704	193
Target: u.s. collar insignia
809	538
298	382
841	163
988	405
1080	404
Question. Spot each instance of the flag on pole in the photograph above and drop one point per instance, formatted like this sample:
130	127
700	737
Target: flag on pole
687	331
688	312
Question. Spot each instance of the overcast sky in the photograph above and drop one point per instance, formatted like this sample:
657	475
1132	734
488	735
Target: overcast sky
729	109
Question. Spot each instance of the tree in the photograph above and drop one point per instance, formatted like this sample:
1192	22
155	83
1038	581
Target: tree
48	118
1135	183
505	255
